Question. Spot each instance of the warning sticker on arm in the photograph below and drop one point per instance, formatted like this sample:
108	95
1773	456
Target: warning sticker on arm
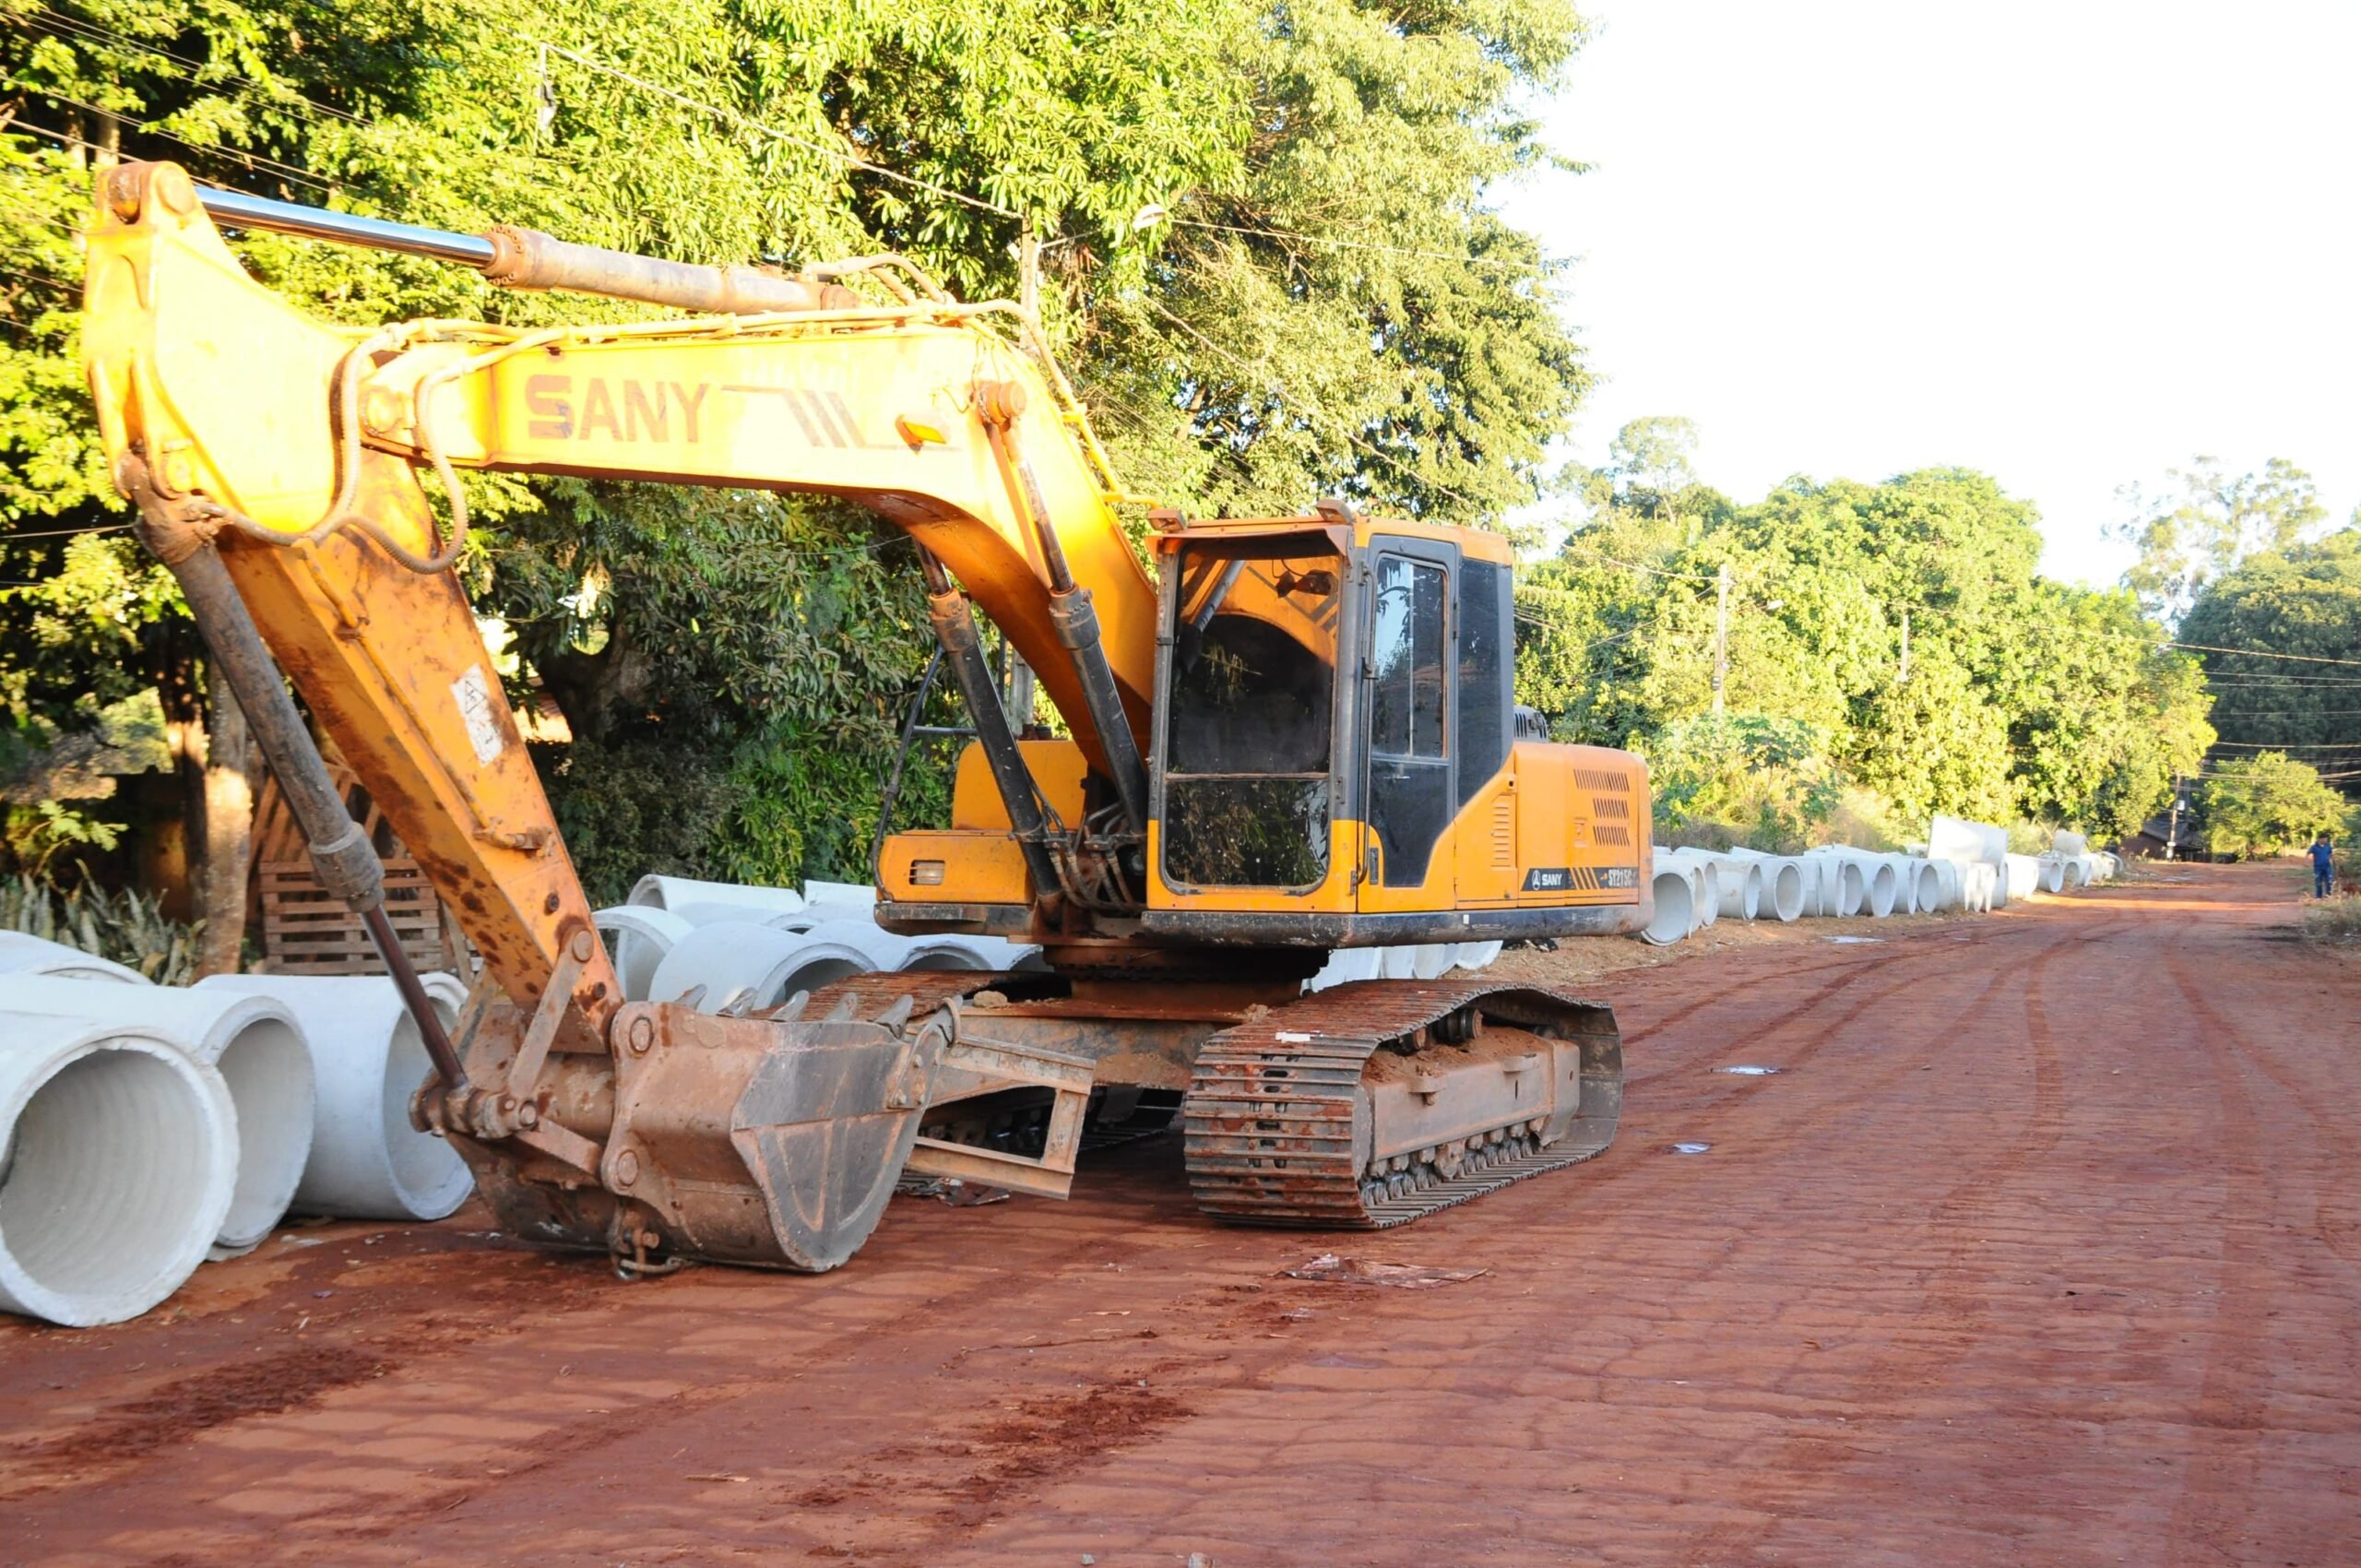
473	693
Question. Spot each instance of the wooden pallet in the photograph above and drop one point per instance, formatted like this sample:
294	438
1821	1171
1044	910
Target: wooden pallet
304	931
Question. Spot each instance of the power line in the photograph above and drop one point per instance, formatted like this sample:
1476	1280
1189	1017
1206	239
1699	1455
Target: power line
849	159
91	32
286	170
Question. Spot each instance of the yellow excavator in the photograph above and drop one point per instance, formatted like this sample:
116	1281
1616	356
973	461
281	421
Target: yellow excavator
1289	736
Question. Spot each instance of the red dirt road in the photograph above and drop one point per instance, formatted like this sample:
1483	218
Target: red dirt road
2043	1247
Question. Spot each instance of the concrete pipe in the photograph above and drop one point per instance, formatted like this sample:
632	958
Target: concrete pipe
1678	890
1475	956
1950	881
2084	868
252	1041
1846	883
1737	882
1787	888
846	895
23	954
2021	878
972	953
1965	843
811	915
2063	842
639	936
1978	885
734	964
1345	965
2052	872
1880	888
1919	886
367	1161
1429	960
676	893
120	1153
1709	881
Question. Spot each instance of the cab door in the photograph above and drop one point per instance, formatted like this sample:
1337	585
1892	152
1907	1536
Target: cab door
1410	797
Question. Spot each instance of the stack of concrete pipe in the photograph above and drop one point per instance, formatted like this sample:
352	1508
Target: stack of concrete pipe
144	1128
1694	887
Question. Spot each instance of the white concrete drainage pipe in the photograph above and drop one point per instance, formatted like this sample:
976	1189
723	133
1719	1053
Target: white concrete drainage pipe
641	935
1919	886
1737	882
1708	891
118	1158
252	1041
678	893
1788	887
1473	957
1980	883
1844	887
735	964
1345	965
367	1161
1881	889
2020	877
958	952
2052	872
1678	890
23	954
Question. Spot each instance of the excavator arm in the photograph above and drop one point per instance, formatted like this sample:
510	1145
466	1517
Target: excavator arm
276	463
298	450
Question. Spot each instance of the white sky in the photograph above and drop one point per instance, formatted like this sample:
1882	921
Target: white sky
2071	243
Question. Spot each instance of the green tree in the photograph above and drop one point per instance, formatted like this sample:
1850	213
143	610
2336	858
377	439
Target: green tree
2016	696
2267	804
2299	610
2188	540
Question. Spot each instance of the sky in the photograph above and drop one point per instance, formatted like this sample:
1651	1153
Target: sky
2073	245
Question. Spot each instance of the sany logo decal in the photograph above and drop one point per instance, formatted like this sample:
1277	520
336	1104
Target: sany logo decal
643	411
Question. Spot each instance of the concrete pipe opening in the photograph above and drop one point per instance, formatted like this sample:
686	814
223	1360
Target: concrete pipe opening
1676	889
2051	872
118	1159
252	1041
23	954
1783	890
1882	889
638	935
367	1161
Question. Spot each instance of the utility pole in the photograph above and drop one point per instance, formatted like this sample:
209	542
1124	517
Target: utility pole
1721	632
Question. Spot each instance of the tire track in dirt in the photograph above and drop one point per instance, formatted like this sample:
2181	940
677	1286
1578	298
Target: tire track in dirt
1808	1458
2218	1486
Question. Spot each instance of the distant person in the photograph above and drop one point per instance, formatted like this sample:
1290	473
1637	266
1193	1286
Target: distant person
2323	855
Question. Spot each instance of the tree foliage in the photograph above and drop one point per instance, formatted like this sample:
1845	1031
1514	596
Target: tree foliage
2190	539
1268	258
2303	605
2267	804
2019	697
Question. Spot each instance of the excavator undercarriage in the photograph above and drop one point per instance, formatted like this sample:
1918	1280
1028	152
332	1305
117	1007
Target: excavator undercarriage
1295	735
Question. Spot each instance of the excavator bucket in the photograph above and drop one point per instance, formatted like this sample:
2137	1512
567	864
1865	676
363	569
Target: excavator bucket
824	1128
773	1141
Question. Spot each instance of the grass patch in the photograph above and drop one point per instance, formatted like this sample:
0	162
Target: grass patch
2333	920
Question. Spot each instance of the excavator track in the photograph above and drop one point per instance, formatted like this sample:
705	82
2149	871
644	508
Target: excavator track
1282	1118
